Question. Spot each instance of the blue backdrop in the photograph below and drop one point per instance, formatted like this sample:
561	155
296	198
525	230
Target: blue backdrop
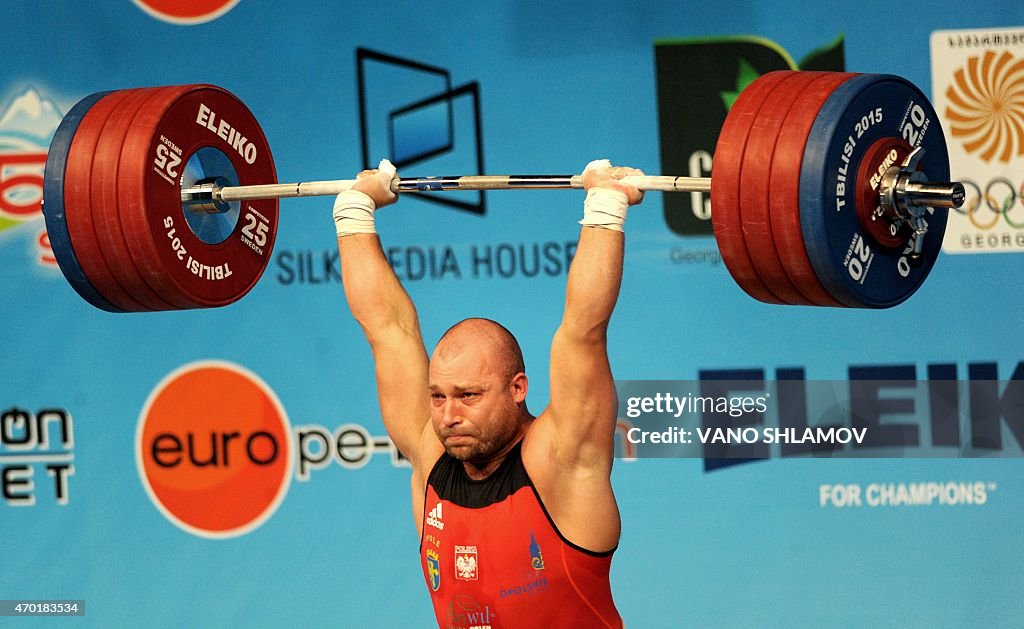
554	87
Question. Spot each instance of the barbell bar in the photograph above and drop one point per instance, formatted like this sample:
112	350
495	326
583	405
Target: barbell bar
209	192
213	195
186	218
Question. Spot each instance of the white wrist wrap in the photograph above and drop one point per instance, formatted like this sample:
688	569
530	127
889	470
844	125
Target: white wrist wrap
605	208
353	213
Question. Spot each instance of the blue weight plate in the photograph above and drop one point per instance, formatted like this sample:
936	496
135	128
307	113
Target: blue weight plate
53	204
851	265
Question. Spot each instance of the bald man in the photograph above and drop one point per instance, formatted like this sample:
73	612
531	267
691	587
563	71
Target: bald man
516	515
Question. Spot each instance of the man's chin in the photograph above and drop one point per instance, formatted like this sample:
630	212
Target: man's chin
462	452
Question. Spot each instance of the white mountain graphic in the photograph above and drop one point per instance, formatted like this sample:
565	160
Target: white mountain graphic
29	116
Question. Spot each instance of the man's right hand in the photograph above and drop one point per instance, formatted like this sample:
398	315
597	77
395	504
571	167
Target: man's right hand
376	184
354	208
601	174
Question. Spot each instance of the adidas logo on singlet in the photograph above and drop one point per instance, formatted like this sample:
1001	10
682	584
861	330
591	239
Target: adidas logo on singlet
434	518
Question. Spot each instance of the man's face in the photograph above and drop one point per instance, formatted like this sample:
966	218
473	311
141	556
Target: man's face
473	405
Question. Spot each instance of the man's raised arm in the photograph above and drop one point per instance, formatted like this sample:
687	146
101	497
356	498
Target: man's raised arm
384	311
583	403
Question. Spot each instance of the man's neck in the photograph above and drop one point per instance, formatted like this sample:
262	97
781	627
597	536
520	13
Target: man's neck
481	469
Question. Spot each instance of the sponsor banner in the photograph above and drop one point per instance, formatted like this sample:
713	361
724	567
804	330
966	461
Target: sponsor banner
977	86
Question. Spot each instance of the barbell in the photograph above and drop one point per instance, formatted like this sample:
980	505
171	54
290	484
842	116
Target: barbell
827	189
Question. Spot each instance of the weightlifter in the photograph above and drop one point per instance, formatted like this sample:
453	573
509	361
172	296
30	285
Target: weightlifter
516	515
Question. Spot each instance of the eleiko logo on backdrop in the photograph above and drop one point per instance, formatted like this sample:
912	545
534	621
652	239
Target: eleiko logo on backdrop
214	449
190	12
698	81
27	124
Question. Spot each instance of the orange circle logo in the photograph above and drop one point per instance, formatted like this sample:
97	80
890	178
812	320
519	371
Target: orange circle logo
186	11
986	106
213	449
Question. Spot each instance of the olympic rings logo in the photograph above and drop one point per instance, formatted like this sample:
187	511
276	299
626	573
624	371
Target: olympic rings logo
984	207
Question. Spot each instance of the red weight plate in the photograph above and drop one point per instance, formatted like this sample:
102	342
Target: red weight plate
78	204
166	134
880	156
106	195
784	204
136	142
725	185
755	187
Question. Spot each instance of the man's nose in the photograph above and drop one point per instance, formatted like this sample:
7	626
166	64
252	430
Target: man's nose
450	415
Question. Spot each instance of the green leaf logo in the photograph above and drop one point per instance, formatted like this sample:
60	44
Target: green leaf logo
746	75
827	57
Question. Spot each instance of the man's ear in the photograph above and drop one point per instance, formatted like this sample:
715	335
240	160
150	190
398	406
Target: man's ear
519	385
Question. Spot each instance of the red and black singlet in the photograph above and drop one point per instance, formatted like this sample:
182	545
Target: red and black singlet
492	556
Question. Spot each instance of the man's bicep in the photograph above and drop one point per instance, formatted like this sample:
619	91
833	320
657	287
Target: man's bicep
582	389
401	368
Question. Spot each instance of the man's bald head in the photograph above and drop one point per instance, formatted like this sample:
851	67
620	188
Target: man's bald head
488	336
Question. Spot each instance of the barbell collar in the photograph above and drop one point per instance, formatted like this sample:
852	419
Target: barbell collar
202	196
934	194
905	197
